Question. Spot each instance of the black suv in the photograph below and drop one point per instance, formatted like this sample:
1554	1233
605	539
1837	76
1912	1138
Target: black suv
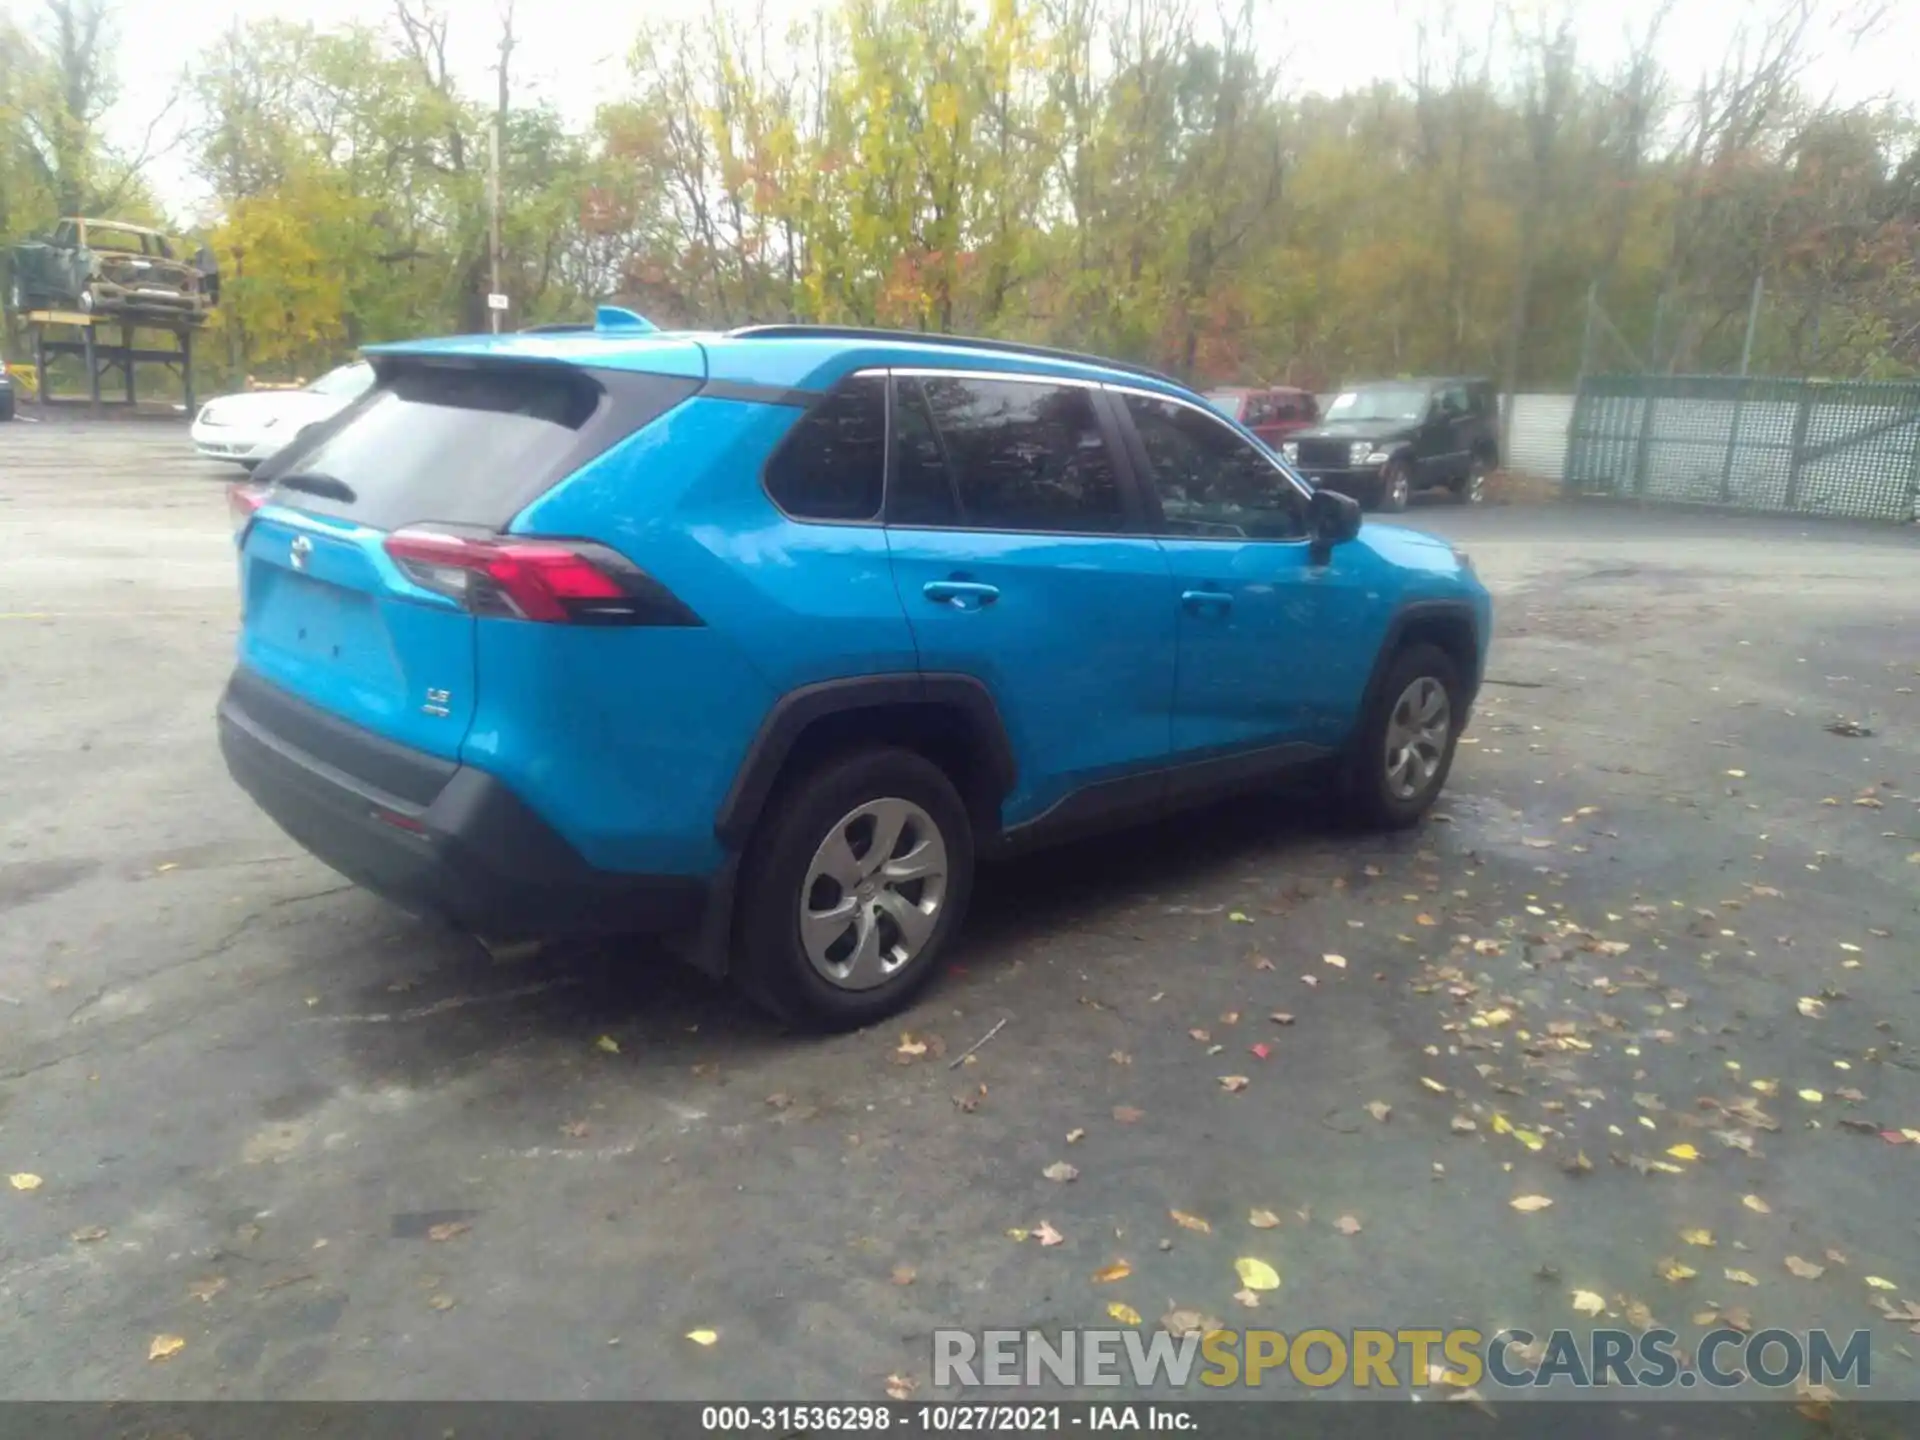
1381	441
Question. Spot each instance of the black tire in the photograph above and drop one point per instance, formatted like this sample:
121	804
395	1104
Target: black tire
1470	488
771	964
1370	797
1396	485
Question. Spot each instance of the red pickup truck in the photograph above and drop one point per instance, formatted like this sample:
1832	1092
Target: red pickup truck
1270	412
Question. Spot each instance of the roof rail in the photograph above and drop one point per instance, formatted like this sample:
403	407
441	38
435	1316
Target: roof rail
957	342
558	327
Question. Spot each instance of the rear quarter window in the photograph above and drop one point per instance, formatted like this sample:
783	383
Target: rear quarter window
465	444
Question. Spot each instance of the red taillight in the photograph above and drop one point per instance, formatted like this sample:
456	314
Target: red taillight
243	499
551	581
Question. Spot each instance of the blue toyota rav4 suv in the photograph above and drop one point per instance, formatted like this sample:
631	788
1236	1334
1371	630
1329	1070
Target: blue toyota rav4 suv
761	639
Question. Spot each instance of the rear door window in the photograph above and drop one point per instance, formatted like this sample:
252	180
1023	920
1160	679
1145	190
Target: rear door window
1025	455
463	444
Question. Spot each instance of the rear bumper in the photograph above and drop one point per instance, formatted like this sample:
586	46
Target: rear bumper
433	837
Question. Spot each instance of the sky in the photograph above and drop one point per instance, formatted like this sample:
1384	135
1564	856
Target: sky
1326	47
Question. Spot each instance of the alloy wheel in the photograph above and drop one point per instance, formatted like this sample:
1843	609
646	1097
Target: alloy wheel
873	893
1417	731
1398	489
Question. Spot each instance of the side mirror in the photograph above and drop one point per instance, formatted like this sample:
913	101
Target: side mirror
1332	519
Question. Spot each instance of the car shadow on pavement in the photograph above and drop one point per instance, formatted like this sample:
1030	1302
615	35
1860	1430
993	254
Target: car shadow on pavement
464	1008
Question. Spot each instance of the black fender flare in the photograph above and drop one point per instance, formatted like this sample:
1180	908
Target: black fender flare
1412	613
794	712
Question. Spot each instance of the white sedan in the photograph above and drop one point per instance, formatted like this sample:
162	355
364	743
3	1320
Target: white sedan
250	427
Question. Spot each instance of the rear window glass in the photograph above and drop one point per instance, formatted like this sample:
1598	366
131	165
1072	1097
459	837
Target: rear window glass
464	445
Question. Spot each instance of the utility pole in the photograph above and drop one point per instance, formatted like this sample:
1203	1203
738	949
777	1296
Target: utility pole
493	224
1753	321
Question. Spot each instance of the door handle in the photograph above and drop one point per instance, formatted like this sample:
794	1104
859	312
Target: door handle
1206	599
960	594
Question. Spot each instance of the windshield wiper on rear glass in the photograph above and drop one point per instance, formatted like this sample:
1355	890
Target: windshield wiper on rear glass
314	483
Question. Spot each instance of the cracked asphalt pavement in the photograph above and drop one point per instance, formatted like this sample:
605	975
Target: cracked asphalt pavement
1664	921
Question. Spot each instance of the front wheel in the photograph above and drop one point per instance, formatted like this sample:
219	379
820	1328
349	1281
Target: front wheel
1396	485
852	889
1405	745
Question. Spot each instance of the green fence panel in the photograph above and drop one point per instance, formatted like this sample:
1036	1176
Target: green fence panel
1804	447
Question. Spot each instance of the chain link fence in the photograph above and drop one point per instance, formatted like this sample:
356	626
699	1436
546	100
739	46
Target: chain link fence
1801	447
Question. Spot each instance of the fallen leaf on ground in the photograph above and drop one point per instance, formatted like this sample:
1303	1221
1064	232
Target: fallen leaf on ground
1234	1084
703	1337
447	1230
608	1044
1812	1097
1256	1274
164	1346
1074	1137
1379	1109
1805	1269
1879	1284
1424	919
1201	1035
441	1302
24	1181
1259	1049
1240	919
1120	1057
1738	774
1671	1269
1741	1277
901	1387
1188	1322
1123	1312
1347	1225
1262	1219
1190	1222
1756	1204
1046	1234
1247	1298
1127	1115
1060	1172
1461	1125
1433	1085
1683	1152
1527	1204
1119	1270
1019	1234
1739	1317
1698	1237
911	1047
87	1234
1577	1163
1766	1087
205	1290
1813	1009
1281	1017
1588	1303
1639	1314
1339	962
903	1274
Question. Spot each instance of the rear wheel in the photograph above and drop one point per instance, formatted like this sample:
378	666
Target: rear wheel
1471	488
1406	741
852	889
